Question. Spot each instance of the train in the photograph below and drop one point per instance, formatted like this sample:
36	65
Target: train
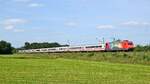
116	45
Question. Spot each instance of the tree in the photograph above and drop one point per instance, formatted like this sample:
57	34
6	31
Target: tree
5	47
27	45
36	45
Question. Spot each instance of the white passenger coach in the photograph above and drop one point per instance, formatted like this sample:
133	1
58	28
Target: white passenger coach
66	49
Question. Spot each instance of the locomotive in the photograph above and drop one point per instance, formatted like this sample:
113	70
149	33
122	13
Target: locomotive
119	45
116	45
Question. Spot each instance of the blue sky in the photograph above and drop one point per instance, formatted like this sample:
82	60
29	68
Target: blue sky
74	21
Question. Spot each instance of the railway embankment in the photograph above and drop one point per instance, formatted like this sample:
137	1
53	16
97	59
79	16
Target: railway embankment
113	57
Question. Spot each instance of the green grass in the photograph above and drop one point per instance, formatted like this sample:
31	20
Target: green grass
29	69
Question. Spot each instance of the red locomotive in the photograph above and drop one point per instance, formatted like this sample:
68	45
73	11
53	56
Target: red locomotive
119	45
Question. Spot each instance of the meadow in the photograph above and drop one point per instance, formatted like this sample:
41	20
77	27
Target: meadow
76	68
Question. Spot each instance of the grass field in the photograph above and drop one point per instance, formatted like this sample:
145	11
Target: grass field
18	69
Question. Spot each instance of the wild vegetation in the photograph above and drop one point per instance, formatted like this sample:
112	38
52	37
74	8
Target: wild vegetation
142	48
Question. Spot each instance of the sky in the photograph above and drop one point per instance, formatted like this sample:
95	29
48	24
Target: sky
74	22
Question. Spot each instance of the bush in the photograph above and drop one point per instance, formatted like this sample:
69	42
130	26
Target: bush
142	48
90	54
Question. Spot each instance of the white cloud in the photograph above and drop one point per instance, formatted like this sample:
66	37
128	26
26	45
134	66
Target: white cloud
12	23
104	26
18	30
9	27
22	0
130	23
36	5
71	24
136	24
30	3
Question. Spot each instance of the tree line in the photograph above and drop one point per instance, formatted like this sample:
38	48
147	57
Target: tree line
36	45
